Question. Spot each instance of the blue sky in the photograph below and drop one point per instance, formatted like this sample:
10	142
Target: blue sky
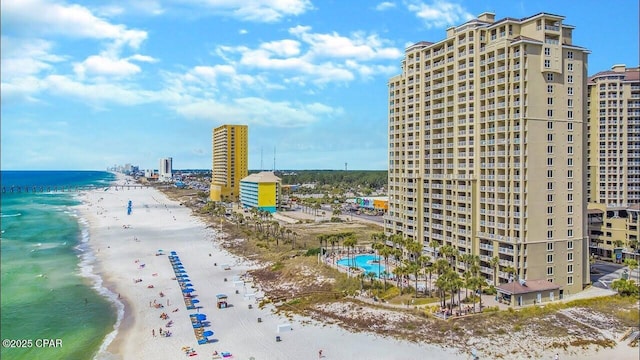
89	84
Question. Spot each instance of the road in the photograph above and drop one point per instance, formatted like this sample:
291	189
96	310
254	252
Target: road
604	273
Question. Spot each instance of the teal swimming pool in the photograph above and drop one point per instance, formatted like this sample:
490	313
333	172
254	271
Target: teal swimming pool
368	263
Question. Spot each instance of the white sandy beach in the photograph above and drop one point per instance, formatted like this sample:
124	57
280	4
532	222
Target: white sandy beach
125	247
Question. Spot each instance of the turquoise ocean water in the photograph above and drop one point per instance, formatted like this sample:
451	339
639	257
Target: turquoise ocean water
47	289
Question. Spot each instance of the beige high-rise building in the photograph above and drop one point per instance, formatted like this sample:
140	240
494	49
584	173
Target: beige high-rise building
614	162
230	161
614	137
487	147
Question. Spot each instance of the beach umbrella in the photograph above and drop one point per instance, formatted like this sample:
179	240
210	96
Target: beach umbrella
188	290
208	333
181	271
195	301
183	280
189	284
174	253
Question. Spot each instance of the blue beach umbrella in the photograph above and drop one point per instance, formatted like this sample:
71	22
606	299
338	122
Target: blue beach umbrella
201	317
208	333
189	284
195	301
188	290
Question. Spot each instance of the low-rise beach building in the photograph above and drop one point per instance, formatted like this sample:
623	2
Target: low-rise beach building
261	191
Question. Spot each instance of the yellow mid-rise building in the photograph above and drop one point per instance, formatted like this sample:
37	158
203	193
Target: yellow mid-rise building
487	148
230	161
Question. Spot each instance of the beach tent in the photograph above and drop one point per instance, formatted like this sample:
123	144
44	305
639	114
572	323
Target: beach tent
284	327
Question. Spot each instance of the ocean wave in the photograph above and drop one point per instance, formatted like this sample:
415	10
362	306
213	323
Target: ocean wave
86	266
9	215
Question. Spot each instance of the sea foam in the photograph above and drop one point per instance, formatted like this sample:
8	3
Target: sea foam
86	267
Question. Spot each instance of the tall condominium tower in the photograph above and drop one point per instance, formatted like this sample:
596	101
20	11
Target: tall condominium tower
614	137
165	171
487	147
614	163
230	161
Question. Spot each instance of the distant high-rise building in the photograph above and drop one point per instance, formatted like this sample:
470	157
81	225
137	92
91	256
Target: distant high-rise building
165	171
487	148
230	161
614	163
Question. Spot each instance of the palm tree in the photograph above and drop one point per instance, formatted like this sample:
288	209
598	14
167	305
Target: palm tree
494	262
377	247
435	246
632	264
371	275
511	270
385	252
413	268
322	238
423	261
399	271
334	240
414	249
429	269
350	242
449	252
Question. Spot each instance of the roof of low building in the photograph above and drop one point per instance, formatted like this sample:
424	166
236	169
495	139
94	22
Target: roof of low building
527	286
262	177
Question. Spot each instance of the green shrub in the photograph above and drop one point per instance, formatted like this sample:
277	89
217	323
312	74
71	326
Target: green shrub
490	290
312	252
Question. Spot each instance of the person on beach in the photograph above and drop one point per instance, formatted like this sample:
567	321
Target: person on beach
153	332
319	354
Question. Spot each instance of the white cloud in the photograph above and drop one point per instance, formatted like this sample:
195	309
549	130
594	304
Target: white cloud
243	31
439	13
283	48
100	65
142	58
386	5
256	10
358	46
98	93
43	17
257	111
315	57
26	57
